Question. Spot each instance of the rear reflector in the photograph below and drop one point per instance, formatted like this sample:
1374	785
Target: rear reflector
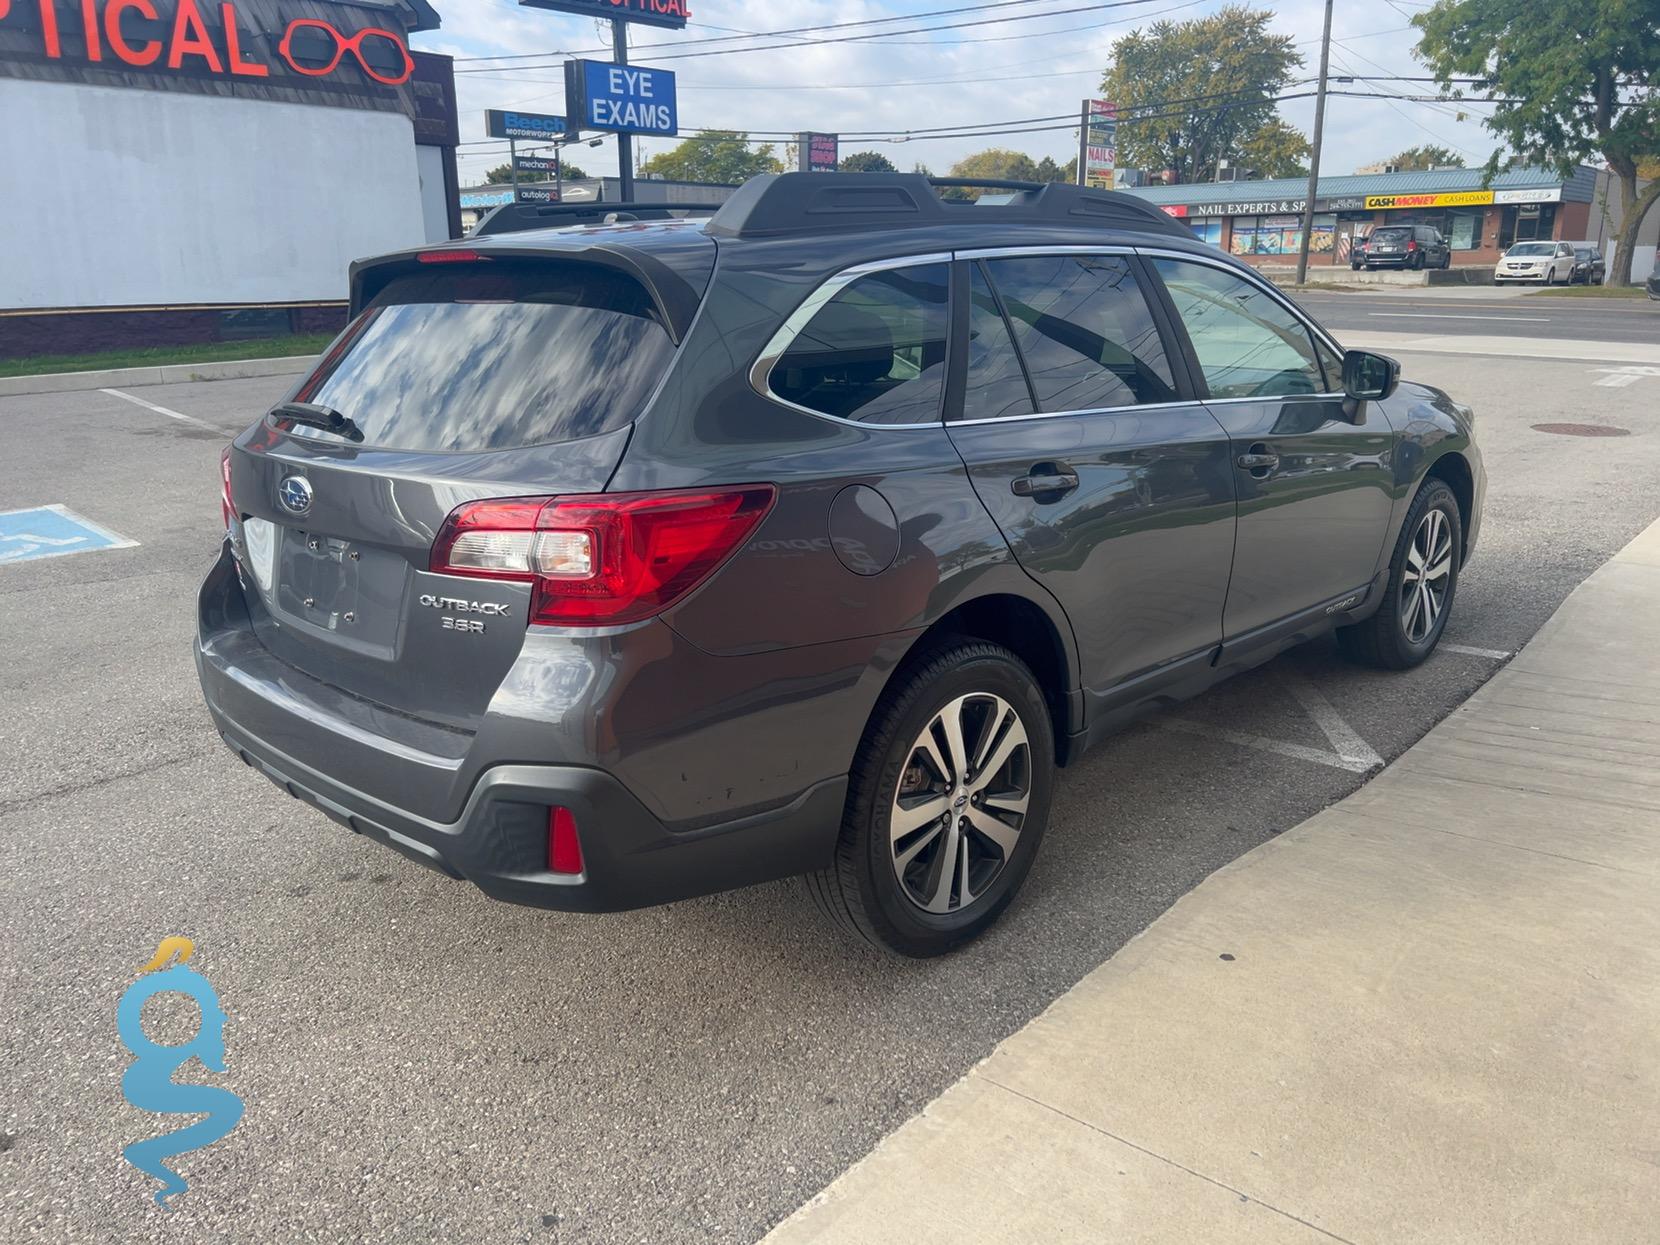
605	558
564	848
448	257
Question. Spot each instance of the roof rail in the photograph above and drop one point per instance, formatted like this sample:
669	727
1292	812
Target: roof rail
516	217
777	204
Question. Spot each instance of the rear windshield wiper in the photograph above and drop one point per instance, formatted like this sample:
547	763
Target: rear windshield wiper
313	415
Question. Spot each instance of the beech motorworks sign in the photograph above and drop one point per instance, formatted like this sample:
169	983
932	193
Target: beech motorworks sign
290	48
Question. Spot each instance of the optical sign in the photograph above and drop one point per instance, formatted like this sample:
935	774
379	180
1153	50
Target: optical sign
669	13
620	99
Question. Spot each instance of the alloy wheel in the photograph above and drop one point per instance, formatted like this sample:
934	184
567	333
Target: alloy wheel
960	803
1427	576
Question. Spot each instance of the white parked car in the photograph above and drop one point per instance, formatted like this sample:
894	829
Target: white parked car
1548	262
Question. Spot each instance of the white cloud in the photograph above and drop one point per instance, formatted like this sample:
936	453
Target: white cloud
1046	71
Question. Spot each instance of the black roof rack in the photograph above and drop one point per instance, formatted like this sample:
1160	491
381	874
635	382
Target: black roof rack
516	217
778	204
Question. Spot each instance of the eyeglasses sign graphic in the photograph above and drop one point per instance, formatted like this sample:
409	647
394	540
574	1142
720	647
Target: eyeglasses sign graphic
148	1082
315	48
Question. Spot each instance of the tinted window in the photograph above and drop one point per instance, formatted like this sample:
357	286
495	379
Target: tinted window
996	386
1247	344
1084	330
1331	364
1392	236
875	352
465	358
1531	248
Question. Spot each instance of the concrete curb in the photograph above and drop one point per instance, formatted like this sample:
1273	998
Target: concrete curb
159	374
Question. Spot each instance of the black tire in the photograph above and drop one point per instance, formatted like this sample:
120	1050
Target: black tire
861	891
1383	640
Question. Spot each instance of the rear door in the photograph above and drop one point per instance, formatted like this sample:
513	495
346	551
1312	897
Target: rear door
463	380
1110	483
1314	487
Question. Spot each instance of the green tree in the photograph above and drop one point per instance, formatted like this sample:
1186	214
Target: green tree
1275	150
1568	82
867	162
995	163
503	174
722	156
1205	88
1049	171
1427	156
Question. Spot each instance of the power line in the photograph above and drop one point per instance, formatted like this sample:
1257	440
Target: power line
738	35
892	34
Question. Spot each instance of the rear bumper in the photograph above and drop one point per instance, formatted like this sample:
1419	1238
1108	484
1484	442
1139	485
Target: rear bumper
499	843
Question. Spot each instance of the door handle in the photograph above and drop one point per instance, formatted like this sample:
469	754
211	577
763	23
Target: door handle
1045	481
1259	461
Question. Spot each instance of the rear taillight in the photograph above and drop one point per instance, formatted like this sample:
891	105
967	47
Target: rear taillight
1412	246
605	558
564	848
227	506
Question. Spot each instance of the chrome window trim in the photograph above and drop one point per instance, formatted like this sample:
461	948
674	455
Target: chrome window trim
1250	277
1092	410
1038	249
760	372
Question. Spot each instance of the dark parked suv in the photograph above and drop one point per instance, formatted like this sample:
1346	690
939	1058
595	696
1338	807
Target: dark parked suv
1402	246
609	565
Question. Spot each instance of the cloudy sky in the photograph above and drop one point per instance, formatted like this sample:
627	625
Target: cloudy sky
1011	68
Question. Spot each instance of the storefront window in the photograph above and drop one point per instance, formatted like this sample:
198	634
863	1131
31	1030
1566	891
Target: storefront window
1281	235
1464	233
1206	229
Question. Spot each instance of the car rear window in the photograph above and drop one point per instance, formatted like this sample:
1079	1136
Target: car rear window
1391	235
470	358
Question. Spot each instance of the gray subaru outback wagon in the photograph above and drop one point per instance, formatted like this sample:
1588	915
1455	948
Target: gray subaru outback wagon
608	565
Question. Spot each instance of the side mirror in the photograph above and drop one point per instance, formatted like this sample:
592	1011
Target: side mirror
1369	377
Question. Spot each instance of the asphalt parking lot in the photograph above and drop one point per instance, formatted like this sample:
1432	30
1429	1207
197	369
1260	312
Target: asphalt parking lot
420	1063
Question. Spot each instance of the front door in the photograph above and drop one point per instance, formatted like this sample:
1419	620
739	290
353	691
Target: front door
1112	487
1314	485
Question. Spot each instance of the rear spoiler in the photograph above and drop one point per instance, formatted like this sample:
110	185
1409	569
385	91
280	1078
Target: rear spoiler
517	217
672	293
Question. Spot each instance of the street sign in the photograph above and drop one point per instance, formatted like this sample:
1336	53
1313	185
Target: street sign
500	124
620	99
817	153
670	13
542	166
538	194
1099	143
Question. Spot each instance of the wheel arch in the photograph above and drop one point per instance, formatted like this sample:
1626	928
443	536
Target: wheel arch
1453	469
1028	630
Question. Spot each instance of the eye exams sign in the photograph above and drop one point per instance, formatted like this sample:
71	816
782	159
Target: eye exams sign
247	41
620	99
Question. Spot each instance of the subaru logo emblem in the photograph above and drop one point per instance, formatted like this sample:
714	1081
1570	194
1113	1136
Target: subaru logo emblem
295	494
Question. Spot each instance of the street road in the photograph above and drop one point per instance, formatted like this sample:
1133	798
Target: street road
422	1064
1471	311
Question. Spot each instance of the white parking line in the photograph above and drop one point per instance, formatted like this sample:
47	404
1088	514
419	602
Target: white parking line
1263	744
162	410
1469	650
1344	740
1349	751
1446	315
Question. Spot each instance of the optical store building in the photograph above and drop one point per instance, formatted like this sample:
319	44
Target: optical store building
180	171
1261	221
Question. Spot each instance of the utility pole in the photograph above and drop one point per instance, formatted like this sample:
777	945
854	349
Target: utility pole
1314	155
513	166
625	142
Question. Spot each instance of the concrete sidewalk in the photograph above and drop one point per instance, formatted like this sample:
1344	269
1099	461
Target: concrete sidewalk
1429	1013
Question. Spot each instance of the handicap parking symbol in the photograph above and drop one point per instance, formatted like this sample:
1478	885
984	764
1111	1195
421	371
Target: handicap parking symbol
52	532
